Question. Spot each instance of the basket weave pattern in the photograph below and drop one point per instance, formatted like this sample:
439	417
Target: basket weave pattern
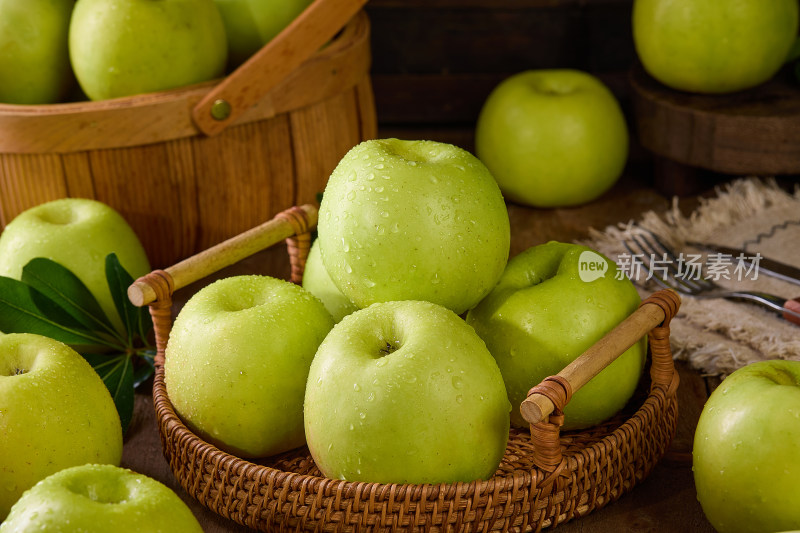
563	476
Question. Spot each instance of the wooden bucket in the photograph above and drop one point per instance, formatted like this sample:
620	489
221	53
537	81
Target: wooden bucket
193	166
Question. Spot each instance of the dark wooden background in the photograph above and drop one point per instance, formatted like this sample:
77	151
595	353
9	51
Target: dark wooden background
436	61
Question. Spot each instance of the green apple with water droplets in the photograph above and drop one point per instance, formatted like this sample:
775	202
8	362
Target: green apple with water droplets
78	233
100	499
318	282
237	360
546	310
55	412
746	455
405	392
413	220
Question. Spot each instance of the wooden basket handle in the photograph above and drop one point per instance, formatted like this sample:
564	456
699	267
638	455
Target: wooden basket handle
293	224
272	63
657	309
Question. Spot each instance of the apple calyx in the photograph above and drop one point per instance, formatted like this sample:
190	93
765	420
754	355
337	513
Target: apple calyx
388	349
19	371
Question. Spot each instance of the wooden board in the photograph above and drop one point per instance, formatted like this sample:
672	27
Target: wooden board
756	131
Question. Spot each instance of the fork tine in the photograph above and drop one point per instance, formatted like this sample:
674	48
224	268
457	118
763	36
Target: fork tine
663	282
671	265
668	279
701	283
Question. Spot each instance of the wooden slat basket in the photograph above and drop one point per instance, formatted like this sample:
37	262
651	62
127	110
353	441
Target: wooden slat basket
183	180
545	478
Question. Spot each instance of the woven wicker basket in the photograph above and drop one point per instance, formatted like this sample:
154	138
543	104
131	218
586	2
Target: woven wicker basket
544	479
184	179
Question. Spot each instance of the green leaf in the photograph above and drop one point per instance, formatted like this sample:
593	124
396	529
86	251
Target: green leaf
64	288
116	371
118	282
146	367
26	310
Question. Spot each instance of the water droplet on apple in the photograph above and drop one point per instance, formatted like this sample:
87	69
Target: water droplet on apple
362	416
459	398
385	214
348	268
371	175
379	166
435	278
370	396
352	427
455	199
457	382
412	163
433	179
380	230
356	387
351	195
395	228
379	188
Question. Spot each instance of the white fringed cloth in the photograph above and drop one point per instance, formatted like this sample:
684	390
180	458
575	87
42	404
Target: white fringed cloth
717	336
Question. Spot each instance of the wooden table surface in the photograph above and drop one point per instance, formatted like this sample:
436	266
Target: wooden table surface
664	502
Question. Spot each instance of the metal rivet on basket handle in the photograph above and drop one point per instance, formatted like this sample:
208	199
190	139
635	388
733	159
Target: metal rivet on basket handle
292	225
265	69
652	317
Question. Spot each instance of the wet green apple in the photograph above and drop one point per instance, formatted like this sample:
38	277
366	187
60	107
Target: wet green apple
747	450
317	281
55	412
100	499
413	220
405	392
237	360
549	307
77	233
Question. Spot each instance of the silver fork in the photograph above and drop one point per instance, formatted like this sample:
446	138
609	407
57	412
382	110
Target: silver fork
646	246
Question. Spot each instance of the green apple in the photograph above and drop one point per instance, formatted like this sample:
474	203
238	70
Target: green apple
55	412
552	304
125	47
405	392
34	62
77	233
250	24
747	450
552	138
413	220
100	499
713	46
317	281
237	360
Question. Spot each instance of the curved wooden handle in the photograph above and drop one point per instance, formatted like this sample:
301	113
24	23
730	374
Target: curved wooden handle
660	307
294	221
271	64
